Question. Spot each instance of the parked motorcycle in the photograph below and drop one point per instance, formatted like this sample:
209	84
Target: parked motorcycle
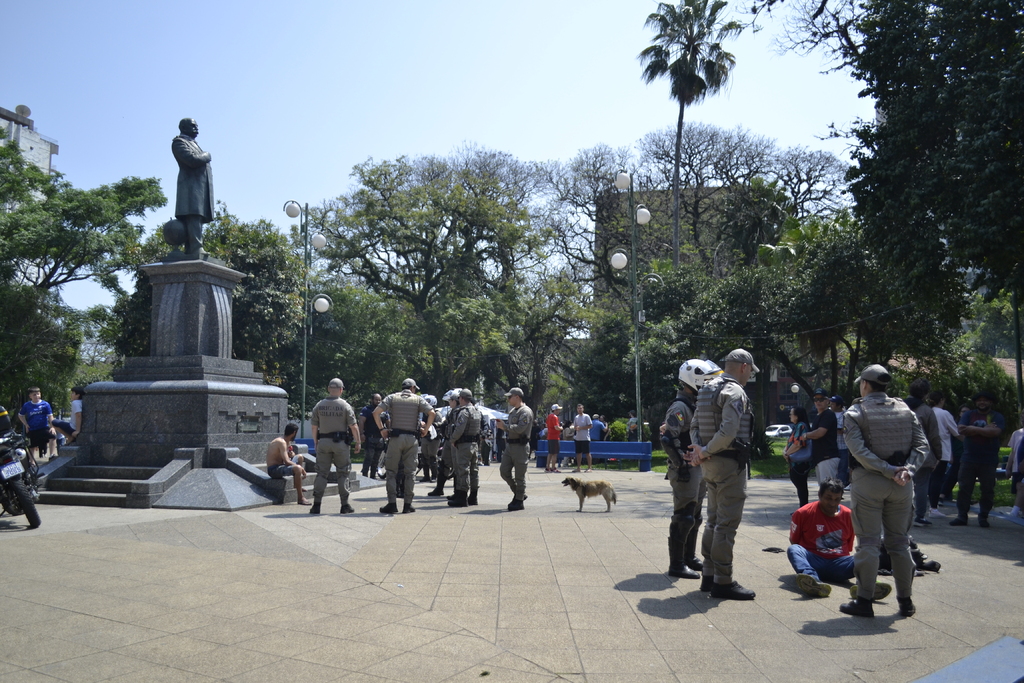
17	475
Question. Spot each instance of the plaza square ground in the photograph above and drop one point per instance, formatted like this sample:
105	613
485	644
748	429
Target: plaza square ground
547	594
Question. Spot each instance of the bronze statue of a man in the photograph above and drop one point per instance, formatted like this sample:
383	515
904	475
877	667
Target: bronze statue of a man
194	205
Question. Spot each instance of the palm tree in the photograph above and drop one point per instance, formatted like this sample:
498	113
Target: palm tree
688	49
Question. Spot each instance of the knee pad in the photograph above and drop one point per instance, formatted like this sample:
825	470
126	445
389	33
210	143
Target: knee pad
894	543
869	542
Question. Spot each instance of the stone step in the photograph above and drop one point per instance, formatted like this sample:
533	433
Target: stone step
119	486
110	472
110	500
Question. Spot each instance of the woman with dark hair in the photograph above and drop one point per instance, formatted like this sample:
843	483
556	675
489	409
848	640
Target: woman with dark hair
798	471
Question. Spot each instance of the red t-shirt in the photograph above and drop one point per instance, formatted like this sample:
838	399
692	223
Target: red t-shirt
554	427
828	537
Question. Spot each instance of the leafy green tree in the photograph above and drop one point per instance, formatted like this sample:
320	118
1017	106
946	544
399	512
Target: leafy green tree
688	50
53	234
940	175
449	238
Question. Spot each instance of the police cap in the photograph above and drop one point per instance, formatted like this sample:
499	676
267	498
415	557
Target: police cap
409	383
875	373
335	384
740	356
515	391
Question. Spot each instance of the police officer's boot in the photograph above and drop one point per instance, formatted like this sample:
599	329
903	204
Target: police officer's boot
677	534
315	510
439	489
690	551
458	499
861	607
472	497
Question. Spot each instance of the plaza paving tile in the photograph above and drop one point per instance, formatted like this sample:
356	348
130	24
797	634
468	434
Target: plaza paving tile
546	594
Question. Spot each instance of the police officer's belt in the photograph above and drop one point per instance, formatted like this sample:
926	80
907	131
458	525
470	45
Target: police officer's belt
401	432
337	436
729	453
468	439
522	440
897	459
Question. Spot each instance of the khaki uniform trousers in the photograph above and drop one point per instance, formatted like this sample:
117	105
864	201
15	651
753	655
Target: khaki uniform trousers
330	453
429	448
447	460
686	492
517	456
878	503
467	469
727	492
401	449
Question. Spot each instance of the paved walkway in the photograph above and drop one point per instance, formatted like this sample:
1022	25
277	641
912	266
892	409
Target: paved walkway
548	594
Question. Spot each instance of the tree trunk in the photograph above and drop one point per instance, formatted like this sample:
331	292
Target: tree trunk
675	187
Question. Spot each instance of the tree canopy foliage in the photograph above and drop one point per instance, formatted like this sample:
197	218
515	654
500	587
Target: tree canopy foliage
51	235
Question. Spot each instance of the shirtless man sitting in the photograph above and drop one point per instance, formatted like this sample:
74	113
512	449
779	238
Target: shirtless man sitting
280	462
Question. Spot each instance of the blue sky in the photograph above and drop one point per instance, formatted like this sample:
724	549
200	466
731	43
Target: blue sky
289	96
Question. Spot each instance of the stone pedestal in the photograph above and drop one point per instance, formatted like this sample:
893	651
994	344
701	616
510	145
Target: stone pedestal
189	393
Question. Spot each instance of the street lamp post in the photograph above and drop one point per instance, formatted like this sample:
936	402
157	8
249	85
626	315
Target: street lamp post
619	260
321	303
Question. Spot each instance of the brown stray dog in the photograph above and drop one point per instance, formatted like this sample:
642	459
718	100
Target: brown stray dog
590	488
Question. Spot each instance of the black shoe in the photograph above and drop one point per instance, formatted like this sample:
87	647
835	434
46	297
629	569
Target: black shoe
907	608
983	522
458	499
346	509
695	564
407	508
471	500
390	509
858	608
683	572
516	505
315	510
707	583
732	591
959	521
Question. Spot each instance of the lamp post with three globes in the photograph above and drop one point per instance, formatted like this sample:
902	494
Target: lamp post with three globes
321	302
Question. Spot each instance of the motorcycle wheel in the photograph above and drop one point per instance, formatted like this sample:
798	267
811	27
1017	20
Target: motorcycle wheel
28	506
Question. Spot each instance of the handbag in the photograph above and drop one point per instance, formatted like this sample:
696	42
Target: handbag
802	455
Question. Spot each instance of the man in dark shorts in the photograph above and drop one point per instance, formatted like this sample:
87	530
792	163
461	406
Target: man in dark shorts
37	417
554	427
281	464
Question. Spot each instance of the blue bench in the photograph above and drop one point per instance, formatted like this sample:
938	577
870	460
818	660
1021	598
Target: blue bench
310	444
608	451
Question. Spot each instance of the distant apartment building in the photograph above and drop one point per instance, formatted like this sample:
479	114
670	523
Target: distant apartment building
36	148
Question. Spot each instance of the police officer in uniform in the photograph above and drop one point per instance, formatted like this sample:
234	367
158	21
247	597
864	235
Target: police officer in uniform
403	440
465	435
721	432
688	486
517	452
429	446
447	465
334	428
887	445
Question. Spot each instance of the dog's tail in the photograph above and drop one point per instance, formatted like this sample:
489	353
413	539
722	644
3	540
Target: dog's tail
614	498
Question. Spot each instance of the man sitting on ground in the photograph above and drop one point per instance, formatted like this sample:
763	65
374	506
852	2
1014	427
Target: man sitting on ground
822	538
280	462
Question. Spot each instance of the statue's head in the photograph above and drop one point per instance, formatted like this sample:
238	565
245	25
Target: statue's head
188	127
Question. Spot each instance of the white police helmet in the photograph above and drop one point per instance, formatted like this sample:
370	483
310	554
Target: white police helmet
695	372
430	398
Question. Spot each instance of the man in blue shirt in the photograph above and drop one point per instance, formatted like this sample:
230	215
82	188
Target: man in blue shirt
37	416
982	428
597	430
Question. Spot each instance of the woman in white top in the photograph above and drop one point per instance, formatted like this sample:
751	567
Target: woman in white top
582	424
947	431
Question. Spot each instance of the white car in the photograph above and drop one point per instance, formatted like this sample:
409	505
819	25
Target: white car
778	431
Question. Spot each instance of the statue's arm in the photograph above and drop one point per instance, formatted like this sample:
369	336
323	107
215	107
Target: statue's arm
189	154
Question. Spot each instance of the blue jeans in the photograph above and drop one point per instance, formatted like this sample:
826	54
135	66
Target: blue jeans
831	571
844	466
